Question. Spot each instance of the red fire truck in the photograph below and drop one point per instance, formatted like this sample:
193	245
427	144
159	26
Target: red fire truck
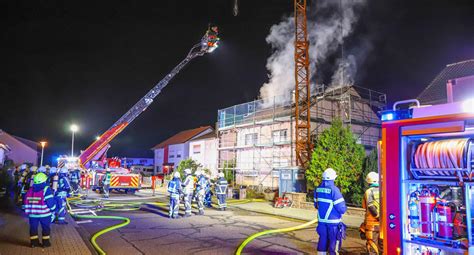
121	178
427	179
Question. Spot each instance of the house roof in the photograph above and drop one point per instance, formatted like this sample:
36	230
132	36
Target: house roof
184	136
435	93
206	136
32	144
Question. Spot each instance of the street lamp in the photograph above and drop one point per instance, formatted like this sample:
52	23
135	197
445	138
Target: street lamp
74	129
97	138
42	152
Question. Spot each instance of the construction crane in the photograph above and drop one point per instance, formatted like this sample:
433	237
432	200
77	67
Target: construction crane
208	44
303	144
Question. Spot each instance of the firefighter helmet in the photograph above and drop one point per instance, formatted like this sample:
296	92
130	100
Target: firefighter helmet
23	167
53	170
220	175
329	174
177	175
187	171
198	172
41	169
40	178
372	178
63	170
33	169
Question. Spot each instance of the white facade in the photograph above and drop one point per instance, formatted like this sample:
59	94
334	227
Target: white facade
204	151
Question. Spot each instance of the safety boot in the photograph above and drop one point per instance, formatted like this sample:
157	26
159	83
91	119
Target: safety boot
46	242
34	242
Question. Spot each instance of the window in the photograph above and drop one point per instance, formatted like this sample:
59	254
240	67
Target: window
280	136
178	156
196	149
251	139
171	156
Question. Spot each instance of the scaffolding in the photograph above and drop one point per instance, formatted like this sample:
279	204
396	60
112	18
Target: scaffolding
257	139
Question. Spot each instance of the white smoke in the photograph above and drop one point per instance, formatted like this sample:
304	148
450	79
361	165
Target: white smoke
326	33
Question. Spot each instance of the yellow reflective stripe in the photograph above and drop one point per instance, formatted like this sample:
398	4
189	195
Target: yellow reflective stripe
45	237
33	237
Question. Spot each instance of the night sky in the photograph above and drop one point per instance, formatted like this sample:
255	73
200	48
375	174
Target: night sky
88	62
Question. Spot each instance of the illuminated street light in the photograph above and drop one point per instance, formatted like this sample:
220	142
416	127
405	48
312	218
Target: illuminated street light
74	129
42	151
97	138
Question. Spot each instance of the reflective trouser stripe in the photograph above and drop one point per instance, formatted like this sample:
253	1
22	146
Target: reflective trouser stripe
45	237
329	221
33	237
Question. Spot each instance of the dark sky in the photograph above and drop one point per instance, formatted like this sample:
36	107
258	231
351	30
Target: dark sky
88	62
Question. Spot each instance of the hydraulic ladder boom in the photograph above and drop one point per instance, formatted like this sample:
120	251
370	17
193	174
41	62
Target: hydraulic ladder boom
209	43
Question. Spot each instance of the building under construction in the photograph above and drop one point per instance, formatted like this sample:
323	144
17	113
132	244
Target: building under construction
257	139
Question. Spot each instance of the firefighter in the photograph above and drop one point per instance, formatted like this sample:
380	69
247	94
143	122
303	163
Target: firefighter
371	223
106	183
175	190
61	195
22	175
201	186
75	181
27	183
331	206
208	196
188	188
39	206
221	191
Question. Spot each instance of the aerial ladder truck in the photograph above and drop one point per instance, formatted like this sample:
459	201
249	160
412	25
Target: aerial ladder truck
122	178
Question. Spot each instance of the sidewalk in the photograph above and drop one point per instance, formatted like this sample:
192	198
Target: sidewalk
14	235
295	213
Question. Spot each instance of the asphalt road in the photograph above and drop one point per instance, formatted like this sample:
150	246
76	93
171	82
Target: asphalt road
216	232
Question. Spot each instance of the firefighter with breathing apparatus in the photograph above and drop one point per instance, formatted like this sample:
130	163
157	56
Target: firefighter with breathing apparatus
39	206
331	206
201	186
370	229
188	188
221	191
175	190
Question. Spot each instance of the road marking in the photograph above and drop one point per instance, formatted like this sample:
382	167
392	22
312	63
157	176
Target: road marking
84	221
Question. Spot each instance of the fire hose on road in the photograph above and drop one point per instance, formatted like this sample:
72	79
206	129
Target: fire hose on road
273	231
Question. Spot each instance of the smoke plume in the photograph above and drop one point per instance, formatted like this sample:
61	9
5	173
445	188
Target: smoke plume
326	32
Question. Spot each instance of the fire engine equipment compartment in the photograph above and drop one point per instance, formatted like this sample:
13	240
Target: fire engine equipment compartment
428	176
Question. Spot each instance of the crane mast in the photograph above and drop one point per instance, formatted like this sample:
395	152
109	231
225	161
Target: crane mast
208	44
304	145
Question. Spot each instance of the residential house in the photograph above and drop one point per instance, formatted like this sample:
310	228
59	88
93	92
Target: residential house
22	150
203	149
170	152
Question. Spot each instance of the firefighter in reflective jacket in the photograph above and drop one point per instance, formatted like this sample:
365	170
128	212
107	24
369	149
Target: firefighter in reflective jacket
106	183
188	188
201	186
174	188
331	206
39	206
74	176
61	195
221	191
208	196
371	225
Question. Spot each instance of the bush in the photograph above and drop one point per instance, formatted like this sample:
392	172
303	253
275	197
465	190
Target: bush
187	163
337	148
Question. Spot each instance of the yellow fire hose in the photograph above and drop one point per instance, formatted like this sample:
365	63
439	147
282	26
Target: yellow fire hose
272	231
103	231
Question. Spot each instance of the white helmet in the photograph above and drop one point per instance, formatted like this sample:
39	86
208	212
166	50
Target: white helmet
63	170
23	167
220	175
53	170
372	178
176	175
329	174
187	171
33	169
198	172
41	169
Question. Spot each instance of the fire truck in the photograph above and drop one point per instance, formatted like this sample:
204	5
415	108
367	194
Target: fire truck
427	178
121	179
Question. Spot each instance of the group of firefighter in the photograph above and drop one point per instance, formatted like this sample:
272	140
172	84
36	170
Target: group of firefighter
331	206
196	187
42	193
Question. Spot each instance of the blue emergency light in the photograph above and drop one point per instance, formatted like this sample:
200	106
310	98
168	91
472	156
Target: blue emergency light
401	114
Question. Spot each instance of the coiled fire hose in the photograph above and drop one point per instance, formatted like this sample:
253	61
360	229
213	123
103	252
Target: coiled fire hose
103	231
273	231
